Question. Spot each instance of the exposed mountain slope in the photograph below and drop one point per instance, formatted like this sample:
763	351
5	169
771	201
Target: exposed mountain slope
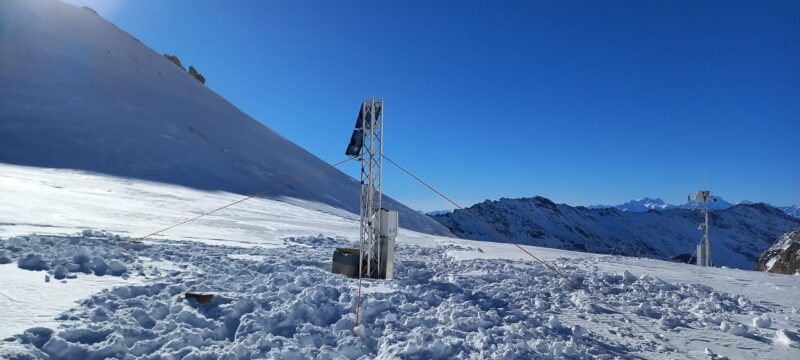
739	234
783	257
80	93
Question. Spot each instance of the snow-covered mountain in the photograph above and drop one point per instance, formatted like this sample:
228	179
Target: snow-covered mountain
739	234
717	203
639	205
792	210
783	257
647	204
79	93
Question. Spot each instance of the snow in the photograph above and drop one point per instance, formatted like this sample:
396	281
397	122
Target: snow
639	205
52	201
32	262
771	263
787	338
249	257
762	322
268	262
28	301
279	302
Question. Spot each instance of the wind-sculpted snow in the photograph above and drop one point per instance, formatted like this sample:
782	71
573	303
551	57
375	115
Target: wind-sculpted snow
284	303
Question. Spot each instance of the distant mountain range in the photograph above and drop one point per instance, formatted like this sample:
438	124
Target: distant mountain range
739	233
791	210
647	204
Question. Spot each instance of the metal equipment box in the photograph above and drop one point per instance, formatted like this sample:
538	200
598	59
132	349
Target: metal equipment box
389	222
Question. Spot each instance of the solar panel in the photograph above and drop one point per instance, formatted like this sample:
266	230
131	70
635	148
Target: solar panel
363	123
360	118
702	195
365	114
356	143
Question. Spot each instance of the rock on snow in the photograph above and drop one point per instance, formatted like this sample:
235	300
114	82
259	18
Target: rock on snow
783	256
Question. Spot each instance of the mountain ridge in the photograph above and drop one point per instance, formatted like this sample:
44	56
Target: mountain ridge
648	203
739	234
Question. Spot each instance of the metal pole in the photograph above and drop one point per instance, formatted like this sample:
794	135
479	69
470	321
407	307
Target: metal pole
705	236
379	183
370	199
380	158
363	207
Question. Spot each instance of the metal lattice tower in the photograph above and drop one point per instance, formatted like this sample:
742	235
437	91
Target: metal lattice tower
370	126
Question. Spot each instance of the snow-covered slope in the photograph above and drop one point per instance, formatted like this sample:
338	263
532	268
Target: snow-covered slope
739	234
267	262
79	93
783	257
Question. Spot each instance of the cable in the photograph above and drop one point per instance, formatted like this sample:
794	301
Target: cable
543	262
358	297
694	252
262	192
470	213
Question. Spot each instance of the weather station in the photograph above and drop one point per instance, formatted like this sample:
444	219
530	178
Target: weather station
378	228
704	247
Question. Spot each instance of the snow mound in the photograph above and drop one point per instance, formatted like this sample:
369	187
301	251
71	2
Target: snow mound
762	322
787	338
4	258
64	257
32	262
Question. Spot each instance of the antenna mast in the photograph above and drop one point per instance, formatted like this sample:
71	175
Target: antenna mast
704	248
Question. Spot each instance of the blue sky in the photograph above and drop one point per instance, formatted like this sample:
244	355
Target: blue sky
584	102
